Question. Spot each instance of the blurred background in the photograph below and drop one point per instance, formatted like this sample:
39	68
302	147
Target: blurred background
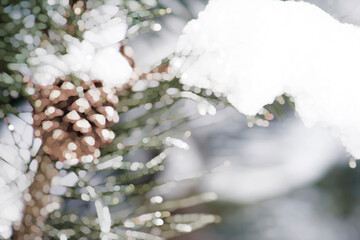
283	181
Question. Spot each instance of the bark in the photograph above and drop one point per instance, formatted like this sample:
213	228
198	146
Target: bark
32	225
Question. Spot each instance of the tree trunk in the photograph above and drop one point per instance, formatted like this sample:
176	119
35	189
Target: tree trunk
36	201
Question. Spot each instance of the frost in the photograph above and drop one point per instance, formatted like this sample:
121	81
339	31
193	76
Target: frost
95	57
255	50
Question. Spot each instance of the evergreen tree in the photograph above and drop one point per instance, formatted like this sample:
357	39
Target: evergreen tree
115	190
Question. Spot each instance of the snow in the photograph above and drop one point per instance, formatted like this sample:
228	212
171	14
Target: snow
95	57
255	50
15	144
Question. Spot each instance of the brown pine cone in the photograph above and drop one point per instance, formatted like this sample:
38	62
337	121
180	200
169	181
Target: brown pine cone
72	121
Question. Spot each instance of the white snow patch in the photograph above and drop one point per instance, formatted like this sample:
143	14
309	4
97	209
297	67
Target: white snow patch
255	50
12	176
97	57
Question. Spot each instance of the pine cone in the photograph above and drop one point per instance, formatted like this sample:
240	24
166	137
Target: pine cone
72	121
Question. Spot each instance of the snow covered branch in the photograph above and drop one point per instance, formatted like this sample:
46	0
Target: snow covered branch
255	50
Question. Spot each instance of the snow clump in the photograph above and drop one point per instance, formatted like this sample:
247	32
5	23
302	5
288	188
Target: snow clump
255	50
